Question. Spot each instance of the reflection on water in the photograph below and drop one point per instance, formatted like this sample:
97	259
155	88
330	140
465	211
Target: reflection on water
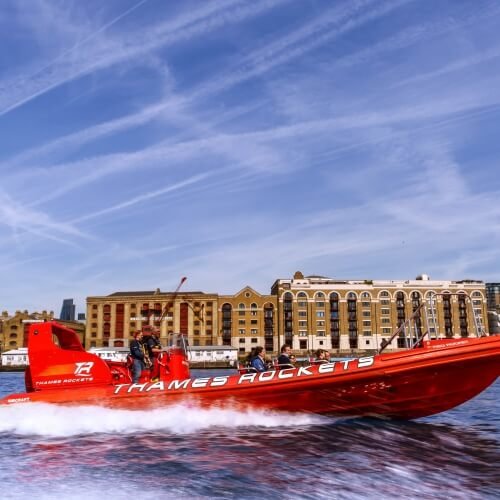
182	452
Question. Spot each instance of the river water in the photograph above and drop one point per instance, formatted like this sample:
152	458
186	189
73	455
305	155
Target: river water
95	453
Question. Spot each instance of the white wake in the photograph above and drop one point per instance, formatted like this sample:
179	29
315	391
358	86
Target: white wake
41	419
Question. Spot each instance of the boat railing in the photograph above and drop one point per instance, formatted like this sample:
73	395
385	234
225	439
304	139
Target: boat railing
423	321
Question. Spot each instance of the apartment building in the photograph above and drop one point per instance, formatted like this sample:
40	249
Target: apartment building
307	312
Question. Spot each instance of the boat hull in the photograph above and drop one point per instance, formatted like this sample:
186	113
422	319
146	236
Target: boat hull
404	385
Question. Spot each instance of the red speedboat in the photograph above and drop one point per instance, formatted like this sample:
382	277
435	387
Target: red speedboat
432	377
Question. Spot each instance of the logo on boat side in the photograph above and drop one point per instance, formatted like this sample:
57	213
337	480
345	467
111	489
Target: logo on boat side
83	369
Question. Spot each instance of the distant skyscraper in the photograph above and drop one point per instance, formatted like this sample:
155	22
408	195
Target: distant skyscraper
81	316
68	310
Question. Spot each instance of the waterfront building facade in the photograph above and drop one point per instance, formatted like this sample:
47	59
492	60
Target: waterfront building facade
309	313
113	319
14	328
493	301
248	319
358	315
15	357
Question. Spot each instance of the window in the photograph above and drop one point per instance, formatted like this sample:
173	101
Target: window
196	332
241	322
321	333
320	304
367	322
303	314
303	323
366	314
241	331
242	341
386	330
241	350
303	333
365	304
386	320
320	323
320	314
385	311
384	294
302	304
253	322
367	333
367	342
385	302
253	341
253	331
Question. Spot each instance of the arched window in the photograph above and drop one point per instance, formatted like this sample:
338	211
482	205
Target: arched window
269	326
226	323
335	320
353	320
253	309
447	314
288	317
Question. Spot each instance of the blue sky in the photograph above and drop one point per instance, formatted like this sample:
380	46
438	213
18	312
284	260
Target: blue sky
235	142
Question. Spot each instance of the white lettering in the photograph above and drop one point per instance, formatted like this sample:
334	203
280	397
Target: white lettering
326	367
179	384
286	373
137	386
365	362
303	370
346	363
157	385
18	400
200	382
250	377
218	381
119	387
265	376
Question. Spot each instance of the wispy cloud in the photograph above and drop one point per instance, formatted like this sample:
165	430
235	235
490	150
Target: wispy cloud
110	51
235	142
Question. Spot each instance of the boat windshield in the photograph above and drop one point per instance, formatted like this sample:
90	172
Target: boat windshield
178	341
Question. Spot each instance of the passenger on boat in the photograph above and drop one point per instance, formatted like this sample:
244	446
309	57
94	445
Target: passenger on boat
258	361
327	356
320	357
154	350
139	355
284	358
